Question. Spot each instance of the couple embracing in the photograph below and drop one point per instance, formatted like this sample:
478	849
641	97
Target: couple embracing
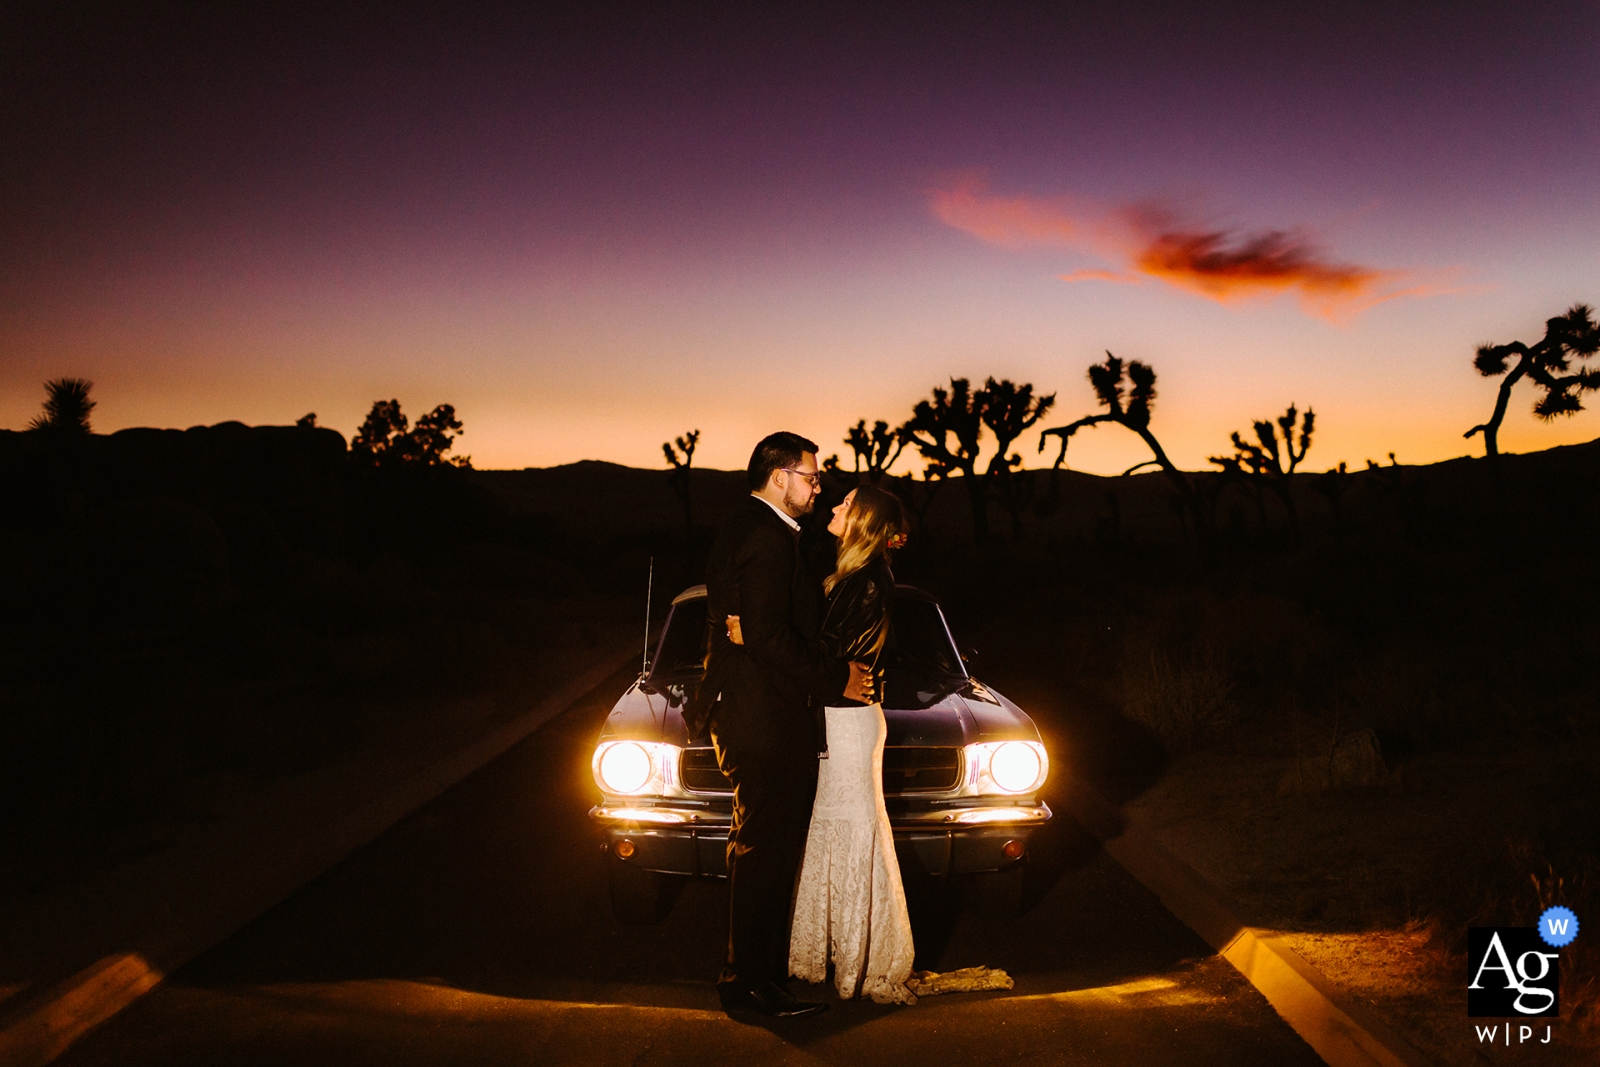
792	691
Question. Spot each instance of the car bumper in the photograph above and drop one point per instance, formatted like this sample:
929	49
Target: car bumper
695	842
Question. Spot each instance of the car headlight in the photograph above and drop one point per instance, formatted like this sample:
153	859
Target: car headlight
635	767
1007	767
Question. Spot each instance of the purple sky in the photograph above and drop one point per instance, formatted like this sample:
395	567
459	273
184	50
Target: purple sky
593	232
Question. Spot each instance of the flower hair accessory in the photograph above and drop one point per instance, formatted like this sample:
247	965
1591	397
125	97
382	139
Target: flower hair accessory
897	540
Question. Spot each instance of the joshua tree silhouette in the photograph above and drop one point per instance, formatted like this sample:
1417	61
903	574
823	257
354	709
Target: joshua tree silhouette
962	413
1270	465
956	414
1569	336
66	406
679	480
1131	409
877	451
1010	411
385	439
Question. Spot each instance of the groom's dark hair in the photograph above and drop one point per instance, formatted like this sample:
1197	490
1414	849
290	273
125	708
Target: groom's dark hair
775	452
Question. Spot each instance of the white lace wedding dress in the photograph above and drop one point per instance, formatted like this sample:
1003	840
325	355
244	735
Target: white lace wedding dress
851	907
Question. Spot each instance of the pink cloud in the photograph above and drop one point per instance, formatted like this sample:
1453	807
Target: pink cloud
1011	222
1151	241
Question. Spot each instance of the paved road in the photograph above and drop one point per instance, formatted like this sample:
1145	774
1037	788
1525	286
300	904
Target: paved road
479	931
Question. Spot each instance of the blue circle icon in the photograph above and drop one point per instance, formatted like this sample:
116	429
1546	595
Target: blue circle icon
1558	926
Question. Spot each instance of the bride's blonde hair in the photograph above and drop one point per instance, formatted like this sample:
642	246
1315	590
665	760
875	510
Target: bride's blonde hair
874	525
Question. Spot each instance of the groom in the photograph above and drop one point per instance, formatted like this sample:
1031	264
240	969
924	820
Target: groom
762	698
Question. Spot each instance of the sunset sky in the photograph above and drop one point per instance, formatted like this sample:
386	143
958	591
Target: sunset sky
591	232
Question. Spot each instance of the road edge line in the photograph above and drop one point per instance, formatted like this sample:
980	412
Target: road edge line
39	1029
1341	1031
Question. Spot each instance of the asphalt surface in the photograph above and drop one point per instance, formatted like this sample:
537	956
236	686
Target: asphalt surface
479	931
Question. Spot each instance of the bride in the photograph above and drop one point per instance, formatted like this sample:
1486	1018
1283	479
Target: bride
850	907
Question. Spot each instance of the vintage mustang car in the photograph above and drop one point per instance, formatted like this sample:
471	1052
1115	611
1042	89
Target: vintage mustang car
962	767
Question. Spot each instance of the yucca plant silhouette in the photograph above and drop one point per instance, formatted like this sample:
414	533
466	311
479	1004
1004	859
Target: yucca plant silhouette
1131	407
66	407
1270	464
1574	335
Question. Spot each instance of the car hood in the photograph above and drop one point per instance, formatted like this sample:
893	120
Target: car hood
934	712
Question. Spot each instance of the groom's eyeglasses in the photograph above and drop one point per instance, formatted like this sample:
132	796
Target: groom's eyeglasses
813	479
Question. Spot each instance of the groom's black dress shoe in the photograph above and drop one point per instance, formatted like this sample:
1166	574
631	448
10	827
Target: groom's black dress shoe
765	998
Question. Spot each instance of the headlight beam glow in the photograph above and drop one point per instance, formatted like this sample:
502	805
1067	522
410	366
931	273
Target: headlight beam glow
635	768
1006	767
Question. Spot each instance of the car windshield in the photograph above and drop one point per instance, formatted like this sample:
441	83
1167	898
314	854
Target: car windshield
918	640
683	646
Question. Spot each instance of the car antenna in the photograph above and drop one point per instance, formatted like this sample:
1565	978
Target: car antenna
649	584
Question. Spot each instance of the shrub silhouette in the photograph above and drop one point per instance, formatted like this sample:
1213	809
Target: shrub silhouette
1572	335
433	436
386	439
1131	408
1270	464
1183	696
374	442
66	406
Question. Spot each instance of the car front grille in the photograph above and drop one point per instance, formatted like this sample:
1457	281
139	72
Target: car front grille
905	770
699	772
920	770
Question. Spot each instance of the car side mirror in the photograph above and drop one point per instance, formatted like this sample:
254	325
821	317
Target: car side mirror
969	657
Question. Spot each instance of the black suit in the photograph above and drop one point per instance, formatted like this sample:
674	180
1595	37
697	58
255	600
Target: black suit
762	697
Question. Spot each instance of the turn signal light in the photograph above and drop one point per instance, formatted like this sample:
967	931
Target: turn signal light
624	849
1013	850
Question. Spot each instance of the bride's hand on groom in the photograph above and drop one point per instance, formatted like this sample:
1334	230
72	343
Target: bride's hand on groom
860	684
858	688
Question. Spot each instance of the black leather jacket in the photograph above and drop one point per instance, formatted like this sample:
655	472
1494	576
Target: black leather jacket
857	620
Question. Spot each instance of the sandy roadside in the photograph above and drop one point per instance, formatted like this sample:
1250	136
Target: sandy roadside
1369	885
